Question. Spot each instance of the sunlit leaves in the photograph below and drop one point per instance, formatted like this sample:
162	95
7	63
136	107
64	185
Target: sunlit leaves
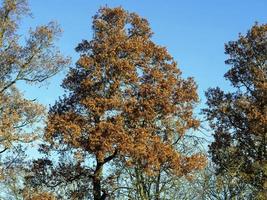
123	93
32	61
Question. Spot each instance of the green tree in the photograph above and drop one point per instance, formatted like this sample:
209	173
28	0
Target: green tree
239	118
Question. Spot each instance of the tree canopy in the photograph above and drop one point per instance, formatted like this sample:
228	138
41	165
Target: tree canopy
238	118
126	102
33	62
126	126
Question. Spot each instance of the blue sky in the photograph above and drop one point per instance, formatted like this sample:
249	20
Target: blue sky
194	32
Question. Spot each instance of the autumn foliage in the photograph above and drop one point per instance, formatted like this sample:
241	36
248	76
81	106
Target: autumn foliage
126	101
33	62
239	119
126	126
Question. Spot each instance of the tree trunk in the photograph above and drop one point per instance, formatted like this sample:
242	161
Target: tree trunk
157	196
141	189
97	181
96	188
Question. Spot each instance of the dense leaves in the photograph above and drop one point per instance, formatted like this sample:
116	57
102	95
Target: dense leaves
239	118
125	128
127	103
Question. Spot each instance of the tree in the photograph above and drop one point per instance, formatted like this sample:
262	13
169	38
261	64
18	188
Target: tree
238	118
29	195
34	62
162	184
126	103
209	186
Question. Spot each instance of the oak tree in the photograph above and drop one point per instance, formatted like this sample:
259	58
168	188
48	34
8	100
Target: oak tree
239	118
126	102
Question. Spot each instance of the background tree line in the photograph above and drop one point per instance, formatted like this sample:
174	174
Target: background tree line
126	127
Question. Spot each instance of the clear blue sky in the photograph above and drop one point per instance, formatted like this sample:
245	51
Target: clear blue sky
194	32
